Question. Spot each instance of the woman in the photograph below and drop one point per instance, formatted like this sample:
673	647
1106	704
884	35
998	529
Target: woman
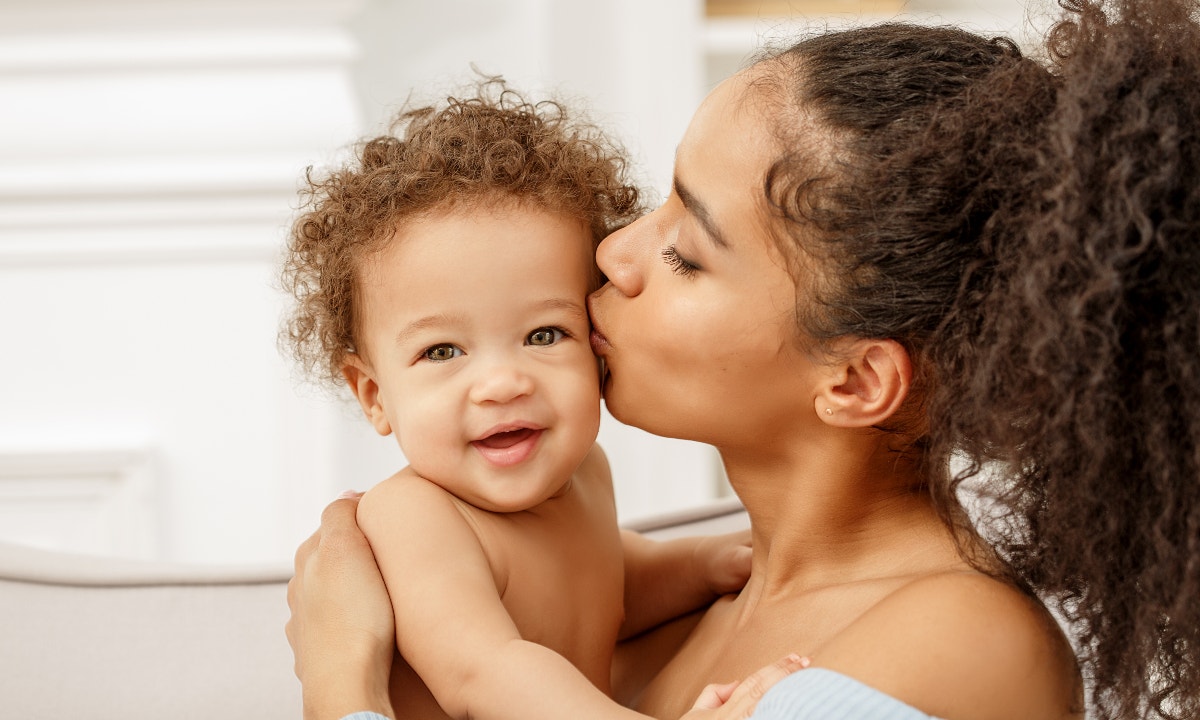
884	248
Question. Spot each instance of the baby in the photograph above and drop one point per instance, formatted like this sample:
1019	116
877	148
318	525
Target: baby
443	276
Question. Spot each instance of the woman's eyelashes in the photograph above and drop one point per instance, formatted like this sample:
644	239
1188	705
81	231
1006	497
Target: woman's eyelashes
679	264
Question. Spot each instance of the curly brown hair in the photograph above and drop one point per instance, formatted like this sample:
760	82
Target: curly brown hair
493	146
1030	231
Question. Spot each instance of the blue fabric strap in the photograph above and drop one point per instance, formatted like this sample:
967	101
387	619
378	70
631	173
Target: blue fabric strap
813	694
820	694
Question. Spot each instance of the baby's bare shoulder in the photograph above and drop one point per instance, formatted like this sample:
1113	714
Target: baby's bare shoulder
961	645
406	497
594	470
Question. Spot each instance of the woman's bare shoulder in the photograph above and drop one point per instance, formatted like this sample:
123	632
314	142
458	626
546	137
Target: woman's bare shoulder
961	645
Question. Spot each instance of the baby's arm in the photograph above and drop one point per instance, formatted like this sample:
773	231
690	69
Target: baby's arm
451	625
664	580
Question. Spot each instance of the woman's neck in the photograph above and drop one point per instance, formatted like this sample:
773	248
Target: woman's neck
839	509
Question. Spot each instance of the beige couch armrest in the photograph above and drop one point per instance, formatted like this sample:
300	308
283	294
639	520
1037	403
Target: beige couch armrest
89	638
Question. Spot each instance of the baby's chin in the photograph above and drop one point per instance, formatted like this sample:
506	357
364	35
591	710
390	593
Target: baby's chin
504	499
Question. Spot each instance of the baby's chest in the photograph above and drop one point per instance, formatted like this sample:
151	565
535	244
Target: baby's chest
577	581
569	597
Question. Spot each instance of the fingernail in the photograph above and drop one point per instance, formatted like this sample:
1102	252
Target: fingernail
349	494
797	661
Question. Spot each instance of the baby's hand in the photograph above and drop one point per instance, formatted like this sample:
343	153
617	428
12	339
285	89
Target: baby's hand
722	562
737	700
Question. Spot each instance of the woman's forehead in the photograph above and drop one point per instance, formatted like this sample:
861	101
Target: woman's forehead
735	99
731	126
727	152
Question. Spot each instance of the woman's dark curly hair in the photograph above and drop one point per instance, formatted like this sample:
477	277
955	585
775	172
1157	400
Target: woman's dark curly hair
494	146
1030	231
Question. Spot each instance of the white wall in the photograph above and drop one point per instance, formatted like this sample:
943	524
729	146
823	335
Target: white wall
149	153
149	157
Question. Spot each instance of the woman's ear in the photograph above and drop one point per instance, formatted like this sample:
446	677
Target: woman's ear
362	383
867	386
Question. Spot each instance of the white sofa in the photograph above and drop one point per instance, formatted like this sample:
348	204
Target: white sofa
105	639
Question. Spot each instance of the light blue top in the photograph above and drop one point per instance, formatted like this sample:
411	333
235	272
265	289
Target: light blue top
820	694
813	694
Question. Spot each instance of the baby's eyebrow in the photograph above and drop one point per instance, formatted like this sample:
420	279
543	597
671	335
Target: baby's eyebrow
426	323
574	307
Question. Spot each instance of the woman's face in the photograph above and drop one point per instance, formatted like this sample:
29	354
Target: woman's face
697	322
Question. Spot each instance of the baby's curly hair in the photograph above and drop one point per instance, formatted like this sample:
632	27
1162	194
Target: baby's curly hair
495	145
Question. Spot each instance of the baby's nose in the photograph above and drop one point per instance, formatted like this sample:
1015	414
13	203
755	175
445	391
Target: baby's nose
500	383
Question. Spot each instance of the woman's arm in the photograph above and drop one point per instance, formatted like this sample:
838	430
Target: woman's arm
341	629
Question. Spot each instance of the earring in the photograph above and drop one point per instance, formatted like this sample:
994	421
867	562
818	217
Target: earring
828	411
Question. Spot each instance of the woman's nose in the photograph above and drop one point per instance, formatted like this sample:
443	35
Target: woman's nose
501	382
618	257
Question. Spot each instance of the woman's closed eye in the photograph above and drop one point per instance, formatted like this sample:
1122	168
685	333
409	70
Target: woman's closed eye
441	353
545	336
679	264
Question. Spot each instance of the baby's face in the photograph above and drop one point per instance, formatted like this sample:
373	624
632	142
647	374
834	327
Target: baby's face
476	329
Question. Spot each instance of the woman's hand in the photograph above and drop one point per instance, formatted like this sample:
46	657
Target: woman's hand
737	700
341	629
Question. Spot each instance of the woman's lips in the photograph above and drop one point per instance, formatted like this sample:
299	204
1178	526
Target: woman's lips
597	338
601	347
508	447
599	343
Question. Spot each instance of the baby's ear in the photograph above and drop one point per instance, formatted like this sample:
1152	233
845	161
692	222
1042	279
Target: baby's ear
870	384
362	383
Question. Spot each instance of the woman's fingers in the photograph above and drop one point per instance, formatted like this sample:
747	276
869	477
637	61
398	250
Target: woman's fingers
714	696
338	529
336	592
341	628
736	701
339	523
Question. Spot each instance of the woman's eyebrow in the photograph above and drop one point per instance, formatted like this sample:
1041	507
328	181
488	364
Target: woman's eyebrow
700	211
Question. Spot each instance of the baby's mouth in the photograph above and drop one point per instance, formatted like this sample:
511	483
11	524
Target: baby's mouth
508	447
501	440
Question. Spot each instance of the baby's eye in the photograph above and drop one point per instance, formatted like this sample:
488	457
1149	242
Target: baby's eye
544	336
442	353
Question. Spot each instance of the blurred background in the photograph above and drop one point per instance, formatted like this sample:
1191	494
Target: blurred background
150	153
